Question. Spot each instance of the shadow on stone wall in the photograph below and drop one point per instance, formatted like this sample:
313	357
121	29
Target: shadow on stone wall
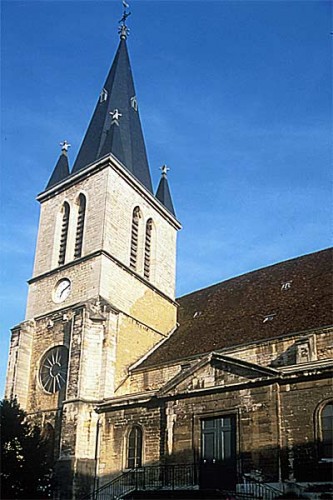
300	464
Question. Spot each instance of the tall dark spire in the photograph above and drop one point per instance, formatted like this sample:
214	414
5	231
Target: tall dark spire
163	192
117	96
61	170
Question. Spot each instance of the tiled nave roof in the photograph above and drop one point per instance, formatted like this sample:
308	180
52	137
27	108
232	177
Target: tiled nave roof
291	296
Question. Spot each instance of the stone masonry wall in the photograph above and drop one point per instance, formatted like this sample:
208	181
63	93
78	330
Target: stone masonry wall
122	198
256	416
301	402
275	352
46	336
275	429
125	292
133	341
19	362
116	426
110	202
85	281
283	351
149	380
47	250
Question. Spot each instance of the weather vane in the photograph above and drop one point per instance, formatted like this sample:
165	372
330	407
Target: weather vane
123	29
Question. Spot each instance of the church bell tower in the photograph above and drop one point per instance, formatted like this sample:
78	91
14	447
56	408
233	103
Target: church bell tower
102	294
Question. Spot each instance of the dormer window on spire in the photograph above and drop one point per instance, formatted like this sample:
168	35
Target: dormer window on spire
134	103
103	95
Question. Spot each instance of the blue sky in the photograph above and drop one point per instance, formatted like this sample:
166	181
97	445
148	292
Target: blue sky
235	96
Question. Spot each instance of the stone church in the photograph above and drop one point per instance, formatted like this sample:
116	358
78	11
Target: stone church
226	389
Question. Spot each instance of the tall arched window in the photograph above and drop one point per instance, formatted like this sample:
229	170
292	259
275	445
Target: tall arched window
48	437
147	263
80	226
64	233
326	424
134	449
135	238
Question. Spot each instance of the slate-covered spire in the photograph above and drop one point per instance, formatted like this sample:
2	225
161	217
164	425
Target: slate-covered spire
163	191
61	170
118	95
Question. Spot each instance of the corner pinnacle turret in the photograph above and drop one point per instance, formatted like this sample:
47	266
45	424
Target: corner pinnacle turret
118	95
61	170
163	192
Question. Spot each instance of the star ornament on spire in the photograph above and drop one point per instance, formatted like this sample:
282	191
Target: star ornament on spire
115	116
65	146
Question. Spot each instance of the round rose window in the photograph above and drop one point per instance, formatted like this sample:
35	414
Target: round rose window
53	369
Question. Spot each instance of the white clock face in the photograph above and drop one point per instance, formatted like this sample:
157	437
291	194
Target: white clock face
62	290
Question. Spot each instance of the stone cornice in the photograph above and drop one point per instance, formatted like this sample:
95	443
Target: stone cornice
93	255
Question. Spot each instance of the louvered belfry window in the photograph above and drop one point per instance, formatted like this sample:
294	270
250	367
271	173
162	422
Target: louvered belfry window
135	238
80	226
149	229
64	233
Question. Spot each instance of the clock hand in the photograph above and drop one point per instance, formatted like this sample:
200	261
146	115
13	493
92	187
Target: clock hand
66	287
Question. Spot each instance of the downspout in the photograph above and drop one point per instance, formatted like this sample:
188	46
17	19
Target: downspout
279	424
71	329
97	448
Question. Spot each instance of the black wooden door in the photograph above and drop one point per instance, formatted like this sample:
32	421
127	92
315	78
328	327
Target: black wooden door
218	453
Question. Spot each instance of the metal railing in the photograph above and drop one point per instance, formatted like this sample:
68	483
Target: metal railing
176	477
258	490
155	477
118	487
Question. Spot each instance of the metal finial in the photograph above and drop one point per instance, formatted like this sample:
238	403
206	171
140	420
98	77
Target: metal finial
164	170
123	30
65	146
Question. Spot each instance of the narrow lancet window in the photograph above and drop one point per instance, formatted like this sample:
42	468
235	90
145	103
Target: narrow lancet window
135	238
134	451
80	226
327	431
64	233
149	229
